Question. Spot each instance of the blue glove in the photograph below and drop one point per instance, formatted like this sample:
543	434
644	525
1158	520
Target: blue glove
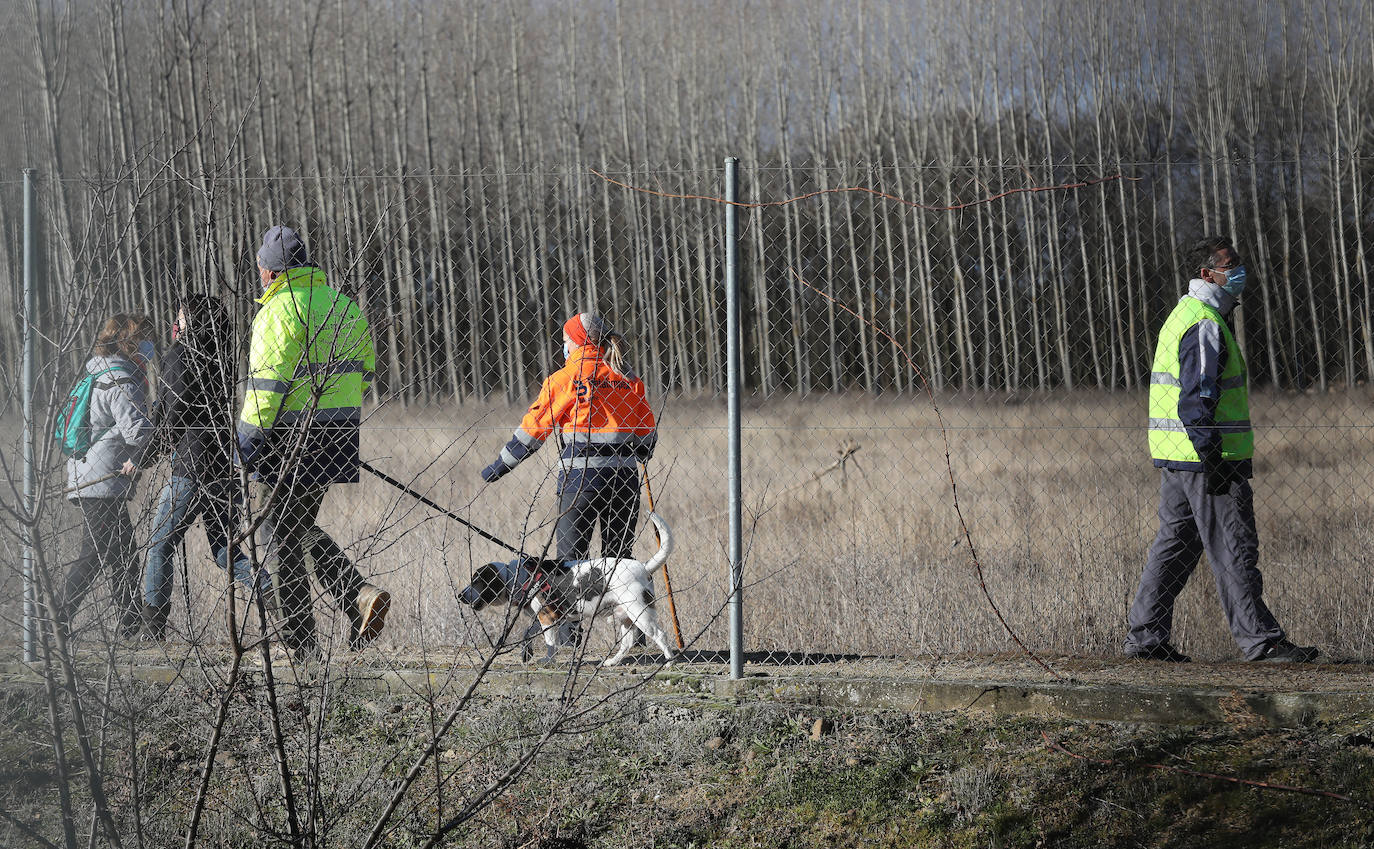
494	471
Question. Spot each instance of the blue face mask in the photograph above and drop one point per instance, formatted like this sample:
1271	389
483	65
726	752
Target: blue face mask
1235	282
567	350
146	351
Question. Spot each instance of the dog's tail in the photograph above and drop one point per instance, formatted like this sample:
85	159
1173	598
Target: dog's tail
665	544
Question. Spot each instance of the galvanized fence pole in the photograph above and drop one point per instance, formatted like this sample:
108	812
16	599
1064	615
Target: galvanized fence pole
28	376
733	379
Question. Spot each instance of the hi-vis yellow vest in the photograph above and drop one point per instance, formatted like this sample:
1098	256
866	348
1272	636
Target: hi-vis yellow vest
311	355
1168	437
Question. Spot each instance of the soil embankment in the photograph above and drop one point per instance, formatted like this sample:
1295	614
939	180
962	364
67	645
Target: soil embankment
814	751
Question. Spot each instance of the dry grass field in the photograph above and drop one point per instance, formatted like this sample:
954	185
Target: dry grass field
867	557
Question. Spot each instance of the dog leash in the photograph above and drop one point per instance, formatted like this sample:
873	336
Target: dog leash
667	582
428	503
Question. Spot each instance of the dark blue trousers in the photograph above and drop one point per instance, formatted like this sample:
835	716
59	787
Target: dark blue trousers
609	499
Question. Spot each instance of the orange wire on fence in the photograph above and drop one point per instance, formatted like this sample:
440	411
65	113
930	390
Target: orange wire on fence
1261	785
1083	184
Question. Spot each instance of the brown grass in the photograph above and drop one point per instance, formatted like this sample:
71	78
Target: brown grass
1058	492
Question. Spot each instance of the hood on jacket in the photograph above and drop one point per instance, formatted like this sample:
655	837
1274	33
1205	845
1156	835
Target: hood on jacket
303	277
584	360
1212	295
99	362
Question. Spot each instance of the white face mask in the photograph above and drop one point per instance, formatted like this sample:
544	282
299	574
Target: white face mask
147	350
567	350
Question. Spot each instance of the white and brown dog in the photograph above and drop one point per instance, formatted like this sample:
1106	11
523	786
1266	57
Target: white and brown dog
561	593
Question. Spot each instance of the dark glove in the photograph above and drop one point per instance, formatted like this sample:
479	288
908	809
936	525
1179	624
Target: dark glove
494	471
250	451
1219	476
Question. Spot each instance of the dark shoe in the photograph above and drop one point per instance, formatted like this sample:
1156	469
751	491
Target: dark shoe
1282	651
1159	651
155	621
130	624
372	605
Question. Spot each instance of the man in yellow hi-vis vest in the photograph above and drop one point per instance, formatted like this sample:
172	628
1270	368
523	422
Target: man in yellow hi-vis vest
309	362
1202	442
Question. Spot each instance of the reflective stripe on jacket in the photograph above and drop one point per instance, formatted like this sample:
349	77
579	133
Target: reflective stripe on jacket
604	419
309	362
1171	443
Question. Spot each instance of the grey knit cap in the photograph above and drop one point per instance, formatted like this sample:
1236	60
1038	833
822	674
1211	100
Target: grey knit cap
281	249
586	328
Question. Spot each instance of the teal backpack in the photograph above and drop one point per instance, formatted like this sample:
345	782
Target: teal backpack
73	430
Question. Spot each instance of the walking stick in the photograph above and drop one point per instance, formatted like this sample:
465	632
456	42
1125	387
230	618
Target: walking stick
667	582
449	513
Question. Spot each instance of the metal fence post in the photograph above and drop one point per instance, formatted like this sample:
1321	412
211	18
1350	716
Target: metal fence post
733	380
28	377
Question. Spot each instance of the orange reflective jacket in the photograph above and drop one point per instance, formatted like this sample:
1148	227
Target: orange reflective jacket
604	420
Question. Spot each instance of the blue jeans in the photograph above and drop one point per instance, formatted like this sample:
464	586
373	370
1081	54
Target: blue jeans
178	505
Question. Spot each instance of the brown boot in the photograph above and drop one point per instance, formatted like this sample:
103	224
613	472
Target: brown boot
369	615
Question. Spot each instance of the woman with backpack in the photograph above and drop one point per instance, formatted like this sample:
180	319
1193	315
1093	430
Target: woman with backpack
114	429
195	413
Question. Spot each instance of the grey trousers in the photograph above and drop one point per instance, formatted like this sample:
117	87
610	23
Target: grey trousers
1190	522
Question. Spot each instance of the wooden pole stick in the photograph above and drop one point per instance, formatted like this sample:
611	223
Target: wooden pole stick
667	582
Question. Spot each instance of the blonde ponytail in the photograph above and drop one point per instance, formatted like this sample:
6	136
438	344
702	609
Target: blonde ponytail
615	353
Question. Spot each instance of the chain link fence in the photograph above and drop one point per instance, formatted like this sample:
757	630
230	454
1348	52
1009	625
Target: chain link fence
920	344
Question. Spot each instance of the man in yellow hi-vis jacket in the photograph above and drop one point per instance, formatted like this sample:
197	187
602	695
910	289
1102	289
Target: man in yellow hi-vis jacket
1202	443
309	362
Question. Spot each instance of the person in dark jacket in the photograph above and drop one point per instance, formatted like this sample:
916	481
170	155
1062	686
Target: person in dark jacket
194	416
100	482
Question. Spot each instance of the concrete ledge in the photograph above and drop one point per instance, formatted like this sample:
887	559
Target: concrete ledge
914	692
1093	702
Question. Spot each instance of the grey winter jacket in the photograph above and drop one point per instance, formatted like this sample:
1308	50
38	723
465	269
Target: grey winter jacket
120	429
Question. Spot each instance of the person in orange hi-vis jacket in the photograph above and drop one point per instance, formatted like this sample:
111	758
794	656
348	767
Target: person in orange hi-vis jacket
606	428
